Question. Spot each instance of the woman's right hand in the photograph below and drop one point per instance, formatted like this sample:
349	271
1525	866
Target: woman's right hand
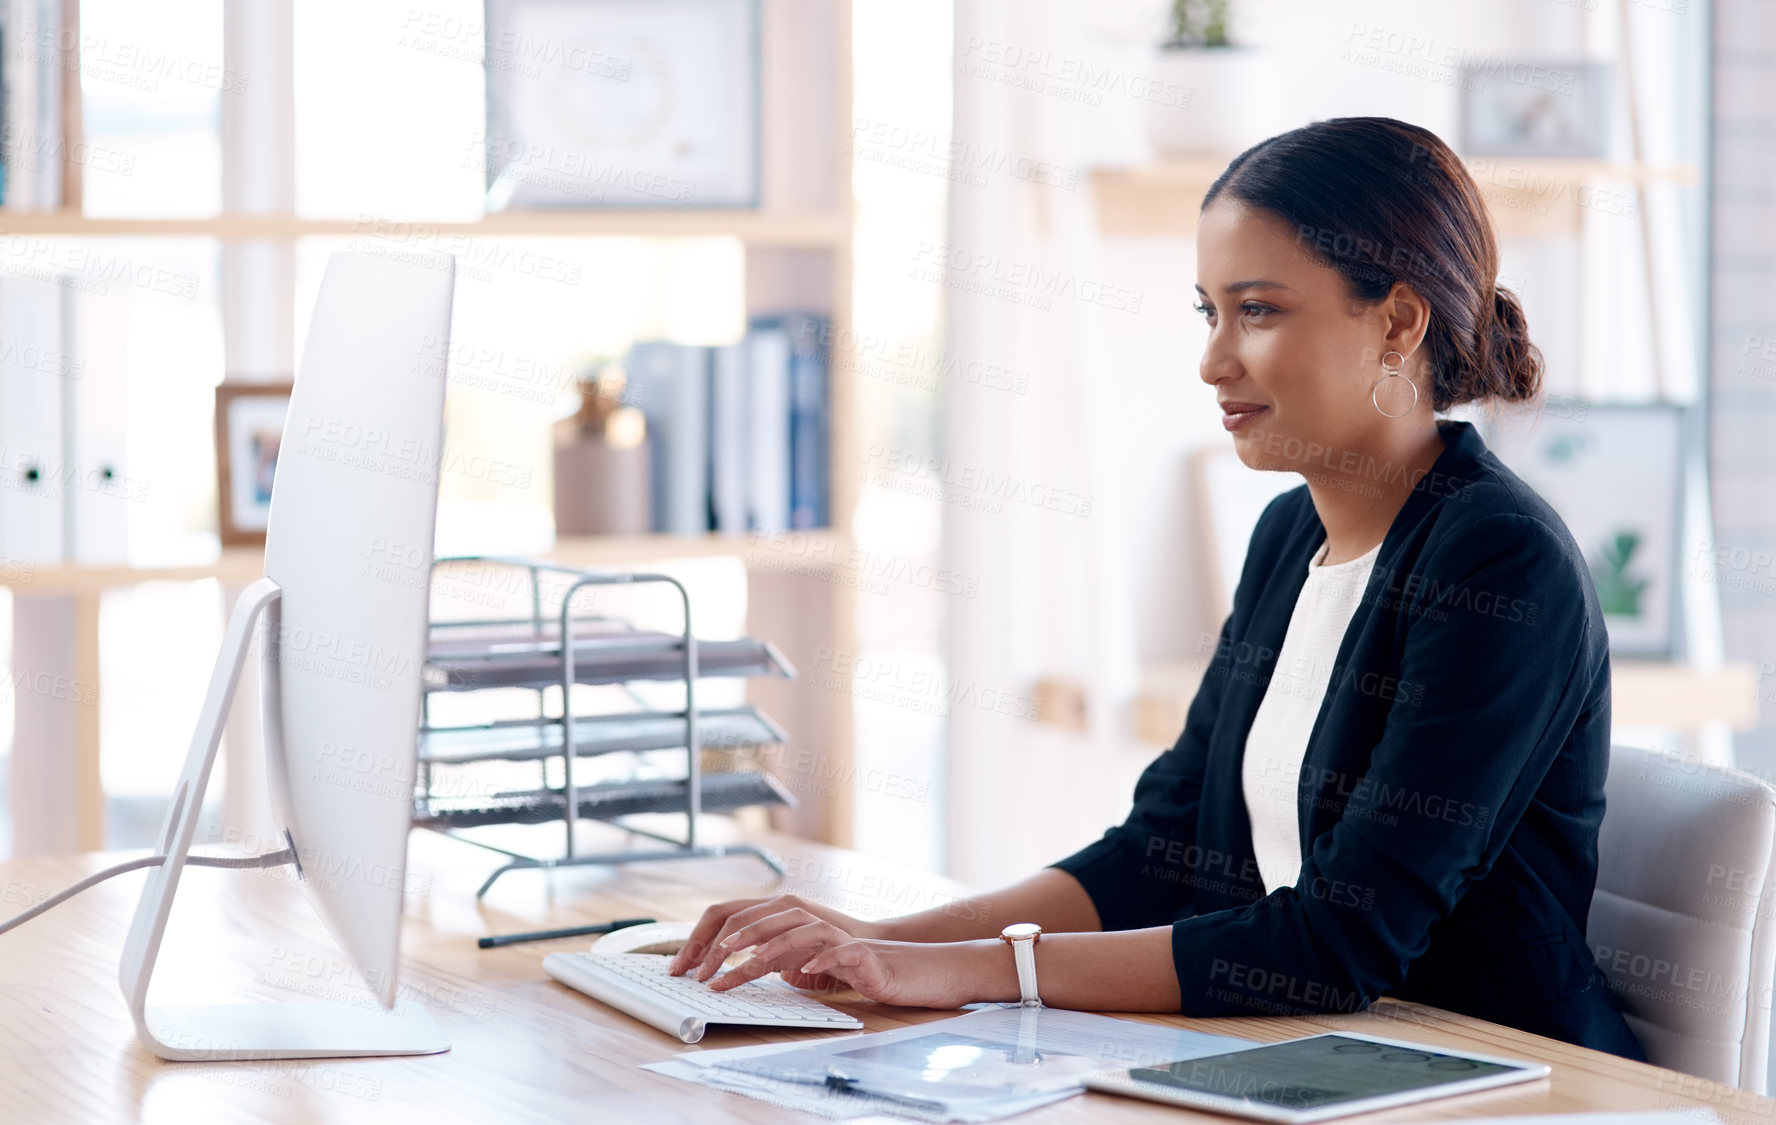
703	953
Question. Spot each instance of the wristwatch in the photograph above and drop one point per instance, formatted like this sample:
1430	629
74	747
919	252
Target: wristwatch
1022	937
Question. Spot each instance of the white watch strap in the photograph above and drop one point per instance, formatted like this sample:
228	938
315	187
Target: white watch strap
1028	1026
1024	951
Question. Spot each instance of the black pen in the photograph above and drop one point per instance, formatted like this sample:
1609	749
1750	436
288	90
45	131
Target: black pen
573	931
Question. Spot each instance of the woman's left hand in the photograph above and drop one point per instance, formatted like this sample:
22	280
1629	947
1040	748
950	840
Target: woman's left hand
823	958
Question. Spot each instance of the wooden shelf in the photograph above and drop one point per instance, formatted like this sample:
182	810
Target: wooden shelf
1642	692
760	228
612	550
1677	695
240	565
1526	195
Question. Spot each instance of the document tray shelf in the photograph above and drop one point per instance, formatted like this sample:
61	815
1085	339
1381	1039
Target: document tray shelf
605	801
525	740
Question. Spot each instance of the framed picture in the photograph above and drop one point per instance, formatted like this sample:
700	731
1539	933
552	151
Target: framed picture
1615	474
622	103
1531	108
249	429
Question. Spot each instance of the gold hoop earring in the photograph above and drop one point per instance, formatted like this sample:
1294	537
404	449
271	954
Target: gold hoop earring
1393	373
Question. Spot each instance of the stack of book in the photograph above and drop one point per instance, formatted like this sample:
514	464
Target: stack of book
740	433
33	148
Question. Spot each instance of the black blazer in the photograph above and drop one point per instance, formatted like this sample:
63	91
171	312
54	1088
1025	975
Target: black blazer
1451	792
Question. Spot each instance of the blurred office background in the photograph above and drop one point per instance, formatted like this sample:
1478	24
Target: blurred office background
989	204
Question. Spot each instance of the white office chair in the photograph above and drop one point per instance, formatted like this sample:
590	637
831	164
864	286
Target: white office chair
1681	921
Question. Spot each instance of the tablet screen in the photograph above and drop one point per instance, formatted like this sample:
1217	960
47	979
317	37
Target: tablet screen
1323	1070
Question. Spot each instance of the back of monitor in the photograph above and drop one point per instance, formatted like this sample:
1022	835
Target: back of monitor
349	541
343	607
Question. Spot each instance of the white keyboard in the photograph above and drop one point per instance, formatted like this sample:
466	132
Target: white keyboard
638	984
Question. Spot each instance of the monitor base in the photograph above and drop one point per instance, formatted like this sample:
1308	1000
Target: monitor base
307	1029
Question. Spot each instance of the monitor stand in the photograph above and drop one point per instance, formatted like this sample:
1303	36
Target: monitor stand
265	1030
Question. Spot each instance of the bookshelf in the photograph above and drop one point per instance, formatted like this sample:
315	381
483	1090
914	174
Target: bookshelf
244	564
798	258
817	229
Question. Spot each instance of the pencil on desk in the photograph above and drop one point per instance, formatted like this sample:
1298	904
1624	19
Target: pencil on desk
571	931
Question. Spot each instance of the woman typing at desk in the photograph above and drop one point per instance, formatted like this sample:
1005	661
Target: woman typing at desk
1391	778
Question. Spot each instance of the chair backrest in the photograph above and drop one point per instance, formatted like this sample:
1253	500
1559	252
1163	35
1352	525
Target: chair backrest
1681	921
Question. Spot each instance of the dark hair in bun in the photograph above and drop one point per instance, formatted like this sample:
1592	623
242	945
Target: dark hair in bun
1382	201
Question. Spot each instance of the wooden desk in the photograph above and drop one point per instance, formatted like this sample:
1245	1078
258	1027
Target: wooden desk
525	1049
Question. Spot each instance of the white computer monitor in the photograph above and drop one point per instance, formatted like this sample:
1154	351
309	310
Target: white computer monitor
341	616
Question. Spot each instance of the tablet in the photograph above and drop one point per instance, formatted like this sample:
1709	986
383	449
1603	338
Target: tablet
1320	1076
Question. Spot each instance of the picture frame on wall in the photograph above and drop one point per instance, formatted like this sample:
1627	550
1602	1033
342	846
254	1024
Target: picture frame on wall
622	103
1530	107
249	431
1615	474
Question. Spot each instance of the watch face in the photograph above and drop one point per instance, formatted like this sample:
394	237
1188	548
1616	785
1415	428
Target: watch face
1020	930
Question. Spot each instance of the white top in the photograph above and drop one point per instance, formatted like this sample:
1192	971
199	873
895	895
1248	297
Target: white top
1277	742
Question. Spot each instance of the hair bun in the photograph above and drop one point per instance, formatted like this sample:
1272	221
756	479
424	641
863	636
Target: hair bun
1517	364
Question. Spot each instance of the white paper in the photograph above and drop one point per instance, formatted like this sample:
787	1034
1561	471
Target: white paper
987	1064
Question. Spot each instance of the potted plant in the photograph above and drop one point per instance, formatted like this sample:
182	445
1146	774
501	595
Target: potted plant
1211	97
